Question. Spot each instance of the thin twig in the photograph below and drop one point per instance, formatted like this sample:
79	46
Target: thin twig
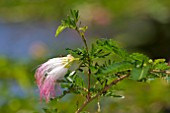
83	38
98	105
161	71
101	92
88	95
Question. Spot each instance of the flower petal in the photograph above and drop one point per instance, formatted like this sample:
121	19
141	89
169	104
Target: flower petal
48	74
48	89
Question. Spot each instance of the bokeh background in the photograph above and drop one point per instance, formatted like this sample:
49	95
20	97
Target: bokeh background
27	30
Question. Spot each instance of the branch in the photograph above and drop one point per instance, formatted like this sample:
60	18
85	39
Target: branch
101	92
161	71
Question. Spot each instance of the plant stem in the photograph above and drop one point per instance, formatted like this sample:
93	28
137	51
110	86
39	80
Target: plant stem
102	91
83	38
88	58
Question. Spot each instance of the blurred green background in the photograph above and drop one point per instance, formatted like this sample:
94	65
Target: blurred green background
27	29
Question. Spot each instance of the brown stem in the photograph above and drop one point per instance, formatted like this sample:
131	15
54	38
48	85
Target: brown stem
161	71
88	95
101	92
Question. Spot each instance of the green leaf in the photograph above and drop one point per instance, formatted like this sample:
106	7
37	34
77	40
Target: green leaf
79	81
78	85
70	22
141	58
116	67
157	61
60	29
75	14
112	94
111	46
161	66
93	69
139	73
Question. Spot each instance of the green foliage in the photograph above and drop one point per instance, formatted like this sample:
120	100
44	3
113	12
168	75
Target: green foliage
141	99
106	63
112	94
115	68
160	64
70	22
97	53
138	59
111	46
139	73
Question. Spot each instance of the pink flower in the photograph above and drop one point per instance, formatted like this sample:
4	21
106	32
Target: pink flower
48	74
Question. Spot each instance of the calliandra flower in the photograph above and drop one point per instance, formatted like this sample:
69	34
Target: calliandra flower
48	74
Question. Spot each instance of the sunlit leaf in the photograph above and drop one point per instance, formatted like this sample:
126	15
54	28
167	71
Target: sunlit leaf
59	30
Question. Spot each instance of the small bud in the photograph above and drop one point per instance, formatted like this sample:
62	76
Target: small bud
150	61
144	64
